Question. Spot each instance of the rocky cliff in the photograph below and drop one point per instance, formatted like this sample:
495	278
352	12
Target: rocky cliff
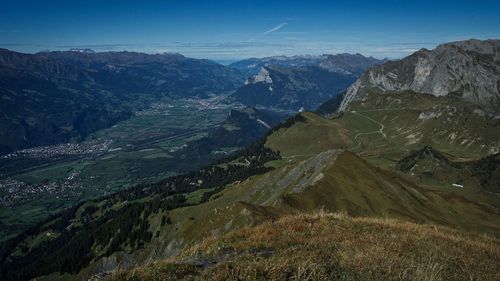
469	69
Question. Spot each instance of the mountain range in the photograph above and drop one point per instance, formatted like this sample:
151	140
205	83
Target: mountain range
299	82
294	89
54	97
395	179
354	64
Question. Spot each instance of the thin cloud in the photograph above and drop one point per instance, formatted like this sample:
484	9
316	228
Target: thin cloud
276	28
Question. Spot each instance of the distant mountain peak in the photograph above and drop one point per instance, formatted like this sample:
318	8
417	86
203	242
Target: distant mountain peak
82	50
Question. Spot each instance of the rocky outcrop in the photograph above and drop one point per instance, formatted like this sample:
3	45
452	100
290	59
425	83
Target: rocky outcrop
469	69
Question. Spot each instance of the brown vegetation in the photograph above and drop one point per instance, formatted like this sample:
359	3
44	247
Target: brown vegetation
328	246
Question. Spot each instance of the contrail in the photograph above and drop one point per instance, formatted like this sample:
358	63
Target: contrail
276	28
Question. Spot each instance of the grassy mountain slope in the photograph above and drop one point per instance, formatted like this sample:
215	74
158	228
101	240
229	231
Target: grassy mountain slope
395	123
333	180
316	171
433	167
121	222
326	246
346	164
394	156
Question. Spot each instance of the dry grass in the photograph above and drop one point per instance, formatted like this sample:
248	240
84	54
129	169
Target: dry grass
326	246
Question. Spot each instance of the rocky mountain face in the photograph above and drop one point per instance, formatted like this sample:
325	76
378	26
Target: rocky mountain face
469	69
252	66
53	97
292	88
341	63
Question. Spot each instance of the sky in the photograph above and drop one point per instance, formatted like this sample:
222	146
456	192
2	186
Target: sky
231	30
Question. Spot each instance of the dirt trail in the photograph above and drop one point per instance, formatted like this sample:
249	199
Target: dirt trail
379	131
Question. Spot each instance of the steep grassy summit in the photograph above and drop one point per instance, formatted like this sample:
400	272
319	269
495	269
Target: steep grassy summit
331	246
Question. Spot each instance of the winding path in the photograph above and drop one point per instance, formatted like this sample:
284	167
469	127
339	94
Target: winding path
379	131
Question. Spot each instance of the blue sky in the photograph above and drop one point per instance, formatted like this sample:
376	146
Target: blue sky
228	30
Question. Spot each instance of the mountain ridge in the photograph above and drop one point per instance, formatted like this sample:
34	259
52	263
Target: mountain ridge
344	63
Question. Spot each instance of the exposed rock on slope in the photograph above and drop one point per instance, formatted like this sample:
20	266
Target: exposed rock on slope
470	69
313	173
